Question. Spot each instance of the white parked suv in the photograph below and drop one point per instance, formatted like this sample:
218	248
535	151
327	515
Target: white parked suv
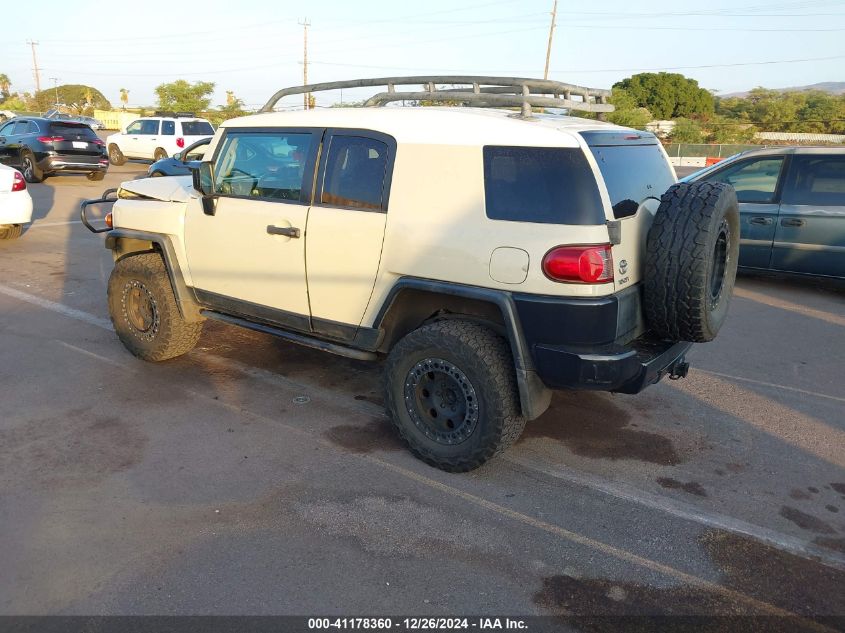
15	203
486	257
157	137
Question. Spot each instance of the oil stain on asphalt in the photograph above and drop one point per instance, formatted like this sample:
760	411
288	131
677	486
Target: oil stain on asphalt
590	425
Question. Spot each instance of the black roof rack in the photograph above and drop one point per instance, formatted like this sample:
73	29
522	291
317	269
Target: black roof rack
174	115
481	91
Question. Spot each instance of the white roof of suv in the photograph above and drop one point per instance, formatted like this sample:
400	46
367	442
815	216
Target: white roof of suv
438	125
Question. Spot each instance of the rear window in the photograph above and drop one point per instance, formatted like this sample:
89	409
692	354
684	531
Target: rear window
816	180
197	128
72	129
633	170
547	185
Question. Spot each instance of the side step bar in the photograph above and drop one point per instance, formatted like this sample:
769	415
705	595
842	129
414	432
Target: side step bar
301	339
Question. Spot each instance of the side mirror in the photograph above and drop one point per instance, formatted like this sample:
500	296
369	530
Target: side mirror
204	183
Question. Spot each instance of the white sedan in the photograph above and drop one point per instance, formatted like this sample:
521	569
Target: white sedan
15	203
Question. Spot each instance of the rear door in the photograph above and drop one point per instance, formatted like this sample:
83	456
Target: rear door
346	228
757	182
810	233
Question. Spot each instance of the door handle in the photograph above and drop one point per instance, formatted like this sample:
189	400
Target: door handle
792	222
761	220
287	231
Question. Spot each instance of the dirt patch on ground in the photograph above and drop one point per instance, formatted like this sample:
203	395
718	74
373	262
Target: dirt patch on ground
806	521
591	425
378	435
691	487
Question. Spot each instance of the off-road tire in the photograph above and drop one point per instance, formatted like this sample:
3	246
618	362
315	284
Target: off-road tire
691	258
159	154
169	335
95	175
485	359
11	232
30	169
116	157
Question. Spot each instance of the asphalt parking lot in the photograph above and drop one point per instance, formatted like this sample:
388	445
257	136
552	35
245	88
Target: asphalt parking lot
252	476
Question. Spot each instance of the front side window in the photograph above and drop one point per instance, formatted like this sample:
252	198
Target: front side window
6	130
134	127
149	126
549	185
355	172
268	165
754	180
168	128
816	180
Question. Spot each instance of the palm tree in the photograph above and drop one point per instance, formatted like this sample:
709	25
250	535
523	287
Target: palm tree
124	97
5	84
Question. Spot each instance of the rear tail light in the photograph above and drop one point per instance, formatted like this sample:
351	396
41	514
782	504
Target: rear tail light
18	184
180	142
97	141
51	139
579	264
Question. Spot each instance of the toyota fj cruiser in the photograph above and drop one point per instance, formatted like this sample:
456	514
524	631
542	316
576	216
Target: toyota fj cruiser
489	256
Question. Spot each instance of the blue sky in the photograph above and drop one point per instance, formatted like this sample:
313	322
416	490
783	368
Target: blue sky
255	47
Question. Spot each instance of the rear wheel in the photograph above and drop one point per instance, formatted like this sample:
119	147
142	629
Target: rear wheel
116	157
96	175
452	394
30	169
159	154
156	174
10	232
143	309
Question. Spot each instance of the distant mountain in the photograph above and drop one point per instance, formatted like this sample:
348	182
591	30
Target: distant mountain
833	87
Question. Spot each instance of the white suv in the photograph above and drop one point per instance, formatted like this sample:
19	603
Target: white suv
157	137
487	257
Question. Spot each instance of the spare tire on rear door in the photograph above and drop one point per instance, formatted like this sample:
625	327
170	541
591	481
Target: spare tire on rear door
691	257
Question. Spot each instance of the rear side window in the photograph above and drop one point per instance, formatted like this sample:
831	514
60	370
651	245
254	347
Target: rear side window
816	180
355	172
547	185
168	128
70	129
197	128
632	173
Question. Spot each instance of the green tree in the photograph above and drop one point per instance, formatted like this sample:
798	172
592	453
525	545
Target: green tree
73	95
183	96
627	112
5	86
686	131
668	95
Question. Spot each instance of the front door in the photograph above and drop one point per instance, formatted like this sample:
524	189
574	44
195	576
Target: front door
810	234
346	228
6	131
756	182
249	257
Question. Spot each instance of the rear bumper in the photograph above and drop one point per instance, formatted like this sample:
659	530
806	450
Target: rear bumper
597	343
66	162
624	370
15	208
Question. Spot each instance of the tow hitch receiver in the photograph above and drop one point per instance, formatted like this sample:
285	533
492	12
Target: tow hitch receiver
679	370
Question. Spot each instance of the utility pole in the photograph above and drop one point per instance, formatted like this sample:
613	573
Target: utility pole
551	35
35	70
56	88
305	24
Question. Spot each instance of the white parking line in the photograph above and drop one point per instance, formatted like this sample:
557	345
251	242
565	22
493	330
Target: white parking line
815	394
614	489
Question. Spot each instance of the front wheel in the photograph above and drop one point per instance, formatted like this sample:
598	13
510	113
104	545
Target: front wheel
452	395
159	154
10	232
143	310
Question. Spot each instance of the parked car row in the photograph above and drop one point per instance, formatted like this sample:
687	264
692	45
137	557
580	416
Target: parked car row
94	124
792	207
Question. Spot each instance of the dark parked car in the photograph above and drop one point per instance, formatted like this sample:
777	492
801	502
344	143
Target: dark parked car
792	207
40	147
181	163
